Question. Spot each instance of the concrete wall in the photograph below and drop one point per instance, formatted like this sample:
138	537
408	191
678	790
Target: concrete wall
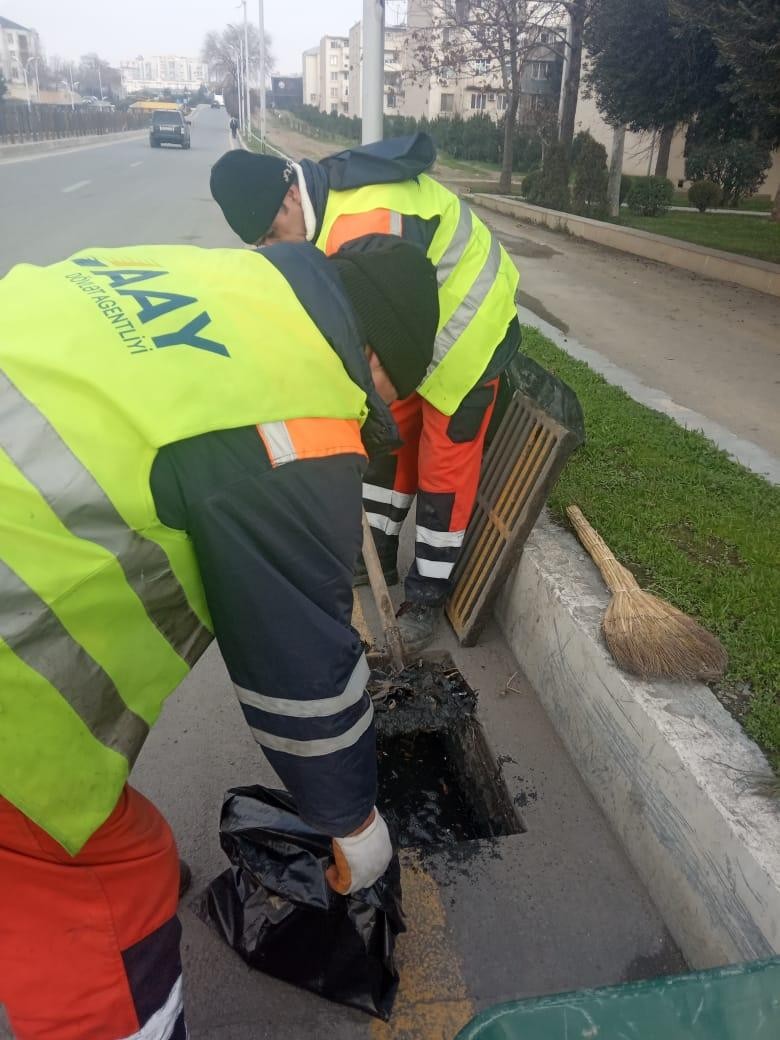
668	766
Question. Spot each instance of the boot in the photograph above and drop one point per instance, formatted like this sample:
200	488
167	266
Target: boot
417	624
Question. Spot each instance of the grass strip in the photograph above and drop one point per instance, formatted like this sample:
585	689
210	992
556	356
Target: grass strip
694	526
749	236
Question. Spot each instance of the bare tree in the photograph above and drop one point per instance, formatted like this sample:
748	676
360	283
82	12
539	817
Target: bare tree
493	39
97	78
222	52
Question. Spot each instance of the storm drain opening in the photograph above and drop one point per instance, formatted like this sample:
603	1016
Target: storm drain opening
438	783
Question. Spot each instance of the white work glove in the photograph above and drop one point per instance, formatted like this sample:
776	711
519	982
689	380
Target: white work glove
360	859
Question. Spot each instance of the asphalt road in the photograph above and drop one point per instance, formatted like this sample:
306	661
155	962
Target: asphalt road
557	907
113	194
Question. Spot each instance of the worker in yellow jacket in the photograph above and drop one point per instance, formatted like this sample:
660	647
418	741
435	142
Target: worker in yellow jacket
183	434
383	189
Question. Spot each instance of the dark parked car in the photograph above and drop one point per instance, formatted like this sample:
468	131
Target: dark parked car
169	127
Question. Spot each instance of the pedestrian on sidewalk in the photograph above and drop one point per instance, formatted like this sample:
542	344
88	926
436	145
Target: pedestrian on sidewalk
382	188
233	127
184	433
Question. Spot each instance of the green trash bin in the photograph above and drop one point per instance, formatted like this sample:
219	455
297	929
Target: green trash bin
738	1002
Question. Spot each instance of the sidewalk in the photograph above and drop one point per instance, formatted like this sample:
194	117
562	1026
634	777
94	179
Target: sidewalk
557	907
710	347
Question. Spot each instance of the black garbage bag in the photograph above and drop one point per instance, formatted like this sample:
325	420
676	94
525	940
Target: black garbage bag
275	907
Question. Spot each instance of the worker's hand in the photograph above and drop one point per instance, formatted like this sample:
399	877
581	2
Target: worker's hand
361	858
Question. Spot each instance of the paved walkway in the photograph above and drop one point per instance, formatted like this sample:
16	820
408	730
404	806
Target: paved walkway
711	347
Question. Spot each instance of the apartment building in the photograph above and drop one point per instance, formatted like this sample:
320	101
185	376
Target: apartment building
334	74
431	88
18	47
395	43
311	77
418	83
160	72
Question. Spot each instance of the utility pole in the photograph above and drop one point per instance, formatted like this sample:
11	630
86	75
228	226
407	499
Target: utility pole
261	16
26	73
373	80
100	78
27	86
248	100
70	73
240	85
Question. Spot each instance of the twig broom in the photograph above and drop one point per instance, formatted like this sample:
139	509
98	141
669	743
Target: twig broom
646	635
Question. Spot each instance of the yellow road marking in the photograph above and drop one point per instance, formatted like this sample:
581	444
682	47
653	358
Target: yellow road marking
433	1002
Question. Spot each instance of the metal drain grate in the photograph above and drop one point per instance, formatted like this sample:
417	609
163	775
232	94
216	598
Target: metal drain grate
525	458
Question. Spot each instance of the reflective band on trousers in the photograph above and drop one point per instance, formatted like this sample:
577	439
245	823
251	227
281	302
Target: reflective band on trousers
36	635
73	494
315	708
384	523
440	539
377	493
163	1022
457	324
315	748
434	568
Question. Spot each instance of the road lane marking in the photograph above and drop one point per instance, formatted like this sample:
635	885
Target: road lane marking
139	163
75	187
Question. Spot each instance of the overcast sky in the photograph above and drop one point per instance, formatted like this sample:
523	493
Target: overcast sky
124	29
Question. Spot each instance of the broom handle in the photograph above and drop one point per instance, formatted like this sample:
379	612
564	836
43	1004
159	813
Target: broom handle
384	605
614	573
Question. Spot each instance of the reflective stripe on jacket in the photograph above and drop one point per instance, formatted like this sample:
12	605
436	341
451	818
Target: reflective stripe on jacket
105	358
477	279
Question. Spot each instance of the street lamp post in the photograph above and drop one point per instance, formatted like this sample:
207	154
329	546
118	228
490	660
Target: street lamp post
246	73
239	85
373	86
262	72
27	87
70	73
26	74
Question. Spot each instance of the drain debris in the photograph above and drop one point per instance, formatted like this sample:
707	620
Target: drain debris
438	782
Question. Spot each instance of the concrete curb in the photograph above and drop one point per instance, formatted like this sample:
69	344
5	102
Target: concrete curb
710	263
15	151
666	763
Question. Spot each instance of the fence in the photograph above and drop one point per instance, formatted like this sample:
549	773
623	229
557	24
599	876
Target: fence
46	122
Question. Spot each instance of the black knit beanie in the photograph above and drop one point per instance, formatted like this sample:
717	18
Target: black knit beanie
250	189
392	287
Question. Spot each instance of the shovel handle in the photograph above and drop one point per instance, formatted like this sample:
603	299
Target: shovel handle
382	599
614	573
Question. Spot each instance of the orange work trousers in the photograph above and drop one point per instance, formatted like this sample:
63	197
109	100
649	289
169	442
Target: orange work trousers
89	944
439	462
